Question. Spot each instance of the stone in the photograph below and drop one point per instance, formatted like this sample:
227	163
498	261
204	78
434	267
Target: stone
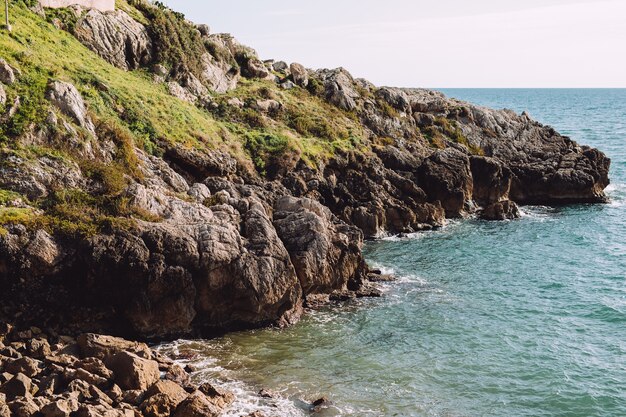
103	347
256	69
23	407
7	74
95	366
40	348
177	374
299	74
280	66
116	37
67	98
18	386
501	210
132	372
59	408
197	405
287	85
235	102
160	70
219	397
204	30
160	405
181	93
268	106
25	365
168	388
3	95
5	411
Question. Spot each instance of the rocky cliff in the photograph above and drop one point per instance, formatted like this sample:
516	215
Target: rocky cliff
157	179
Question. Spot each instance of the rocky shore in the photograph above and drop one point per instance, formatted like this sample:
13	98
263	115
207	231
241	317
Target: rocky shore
95	375
113	221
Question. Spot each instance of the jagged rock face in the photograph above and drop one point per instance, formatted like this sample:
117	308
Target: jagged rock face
116	37
324	251
67	98
219	75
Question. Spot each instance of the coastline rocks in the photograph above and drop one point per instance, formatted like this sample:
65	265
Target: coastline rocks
131	386
116	37
326	254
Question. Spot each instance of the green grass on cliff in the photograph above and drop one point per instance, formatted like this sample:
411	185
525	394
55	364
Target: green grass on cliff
132	110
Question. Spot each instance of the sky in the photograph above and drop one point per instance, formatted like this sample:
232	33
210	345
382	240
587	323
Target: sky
435	43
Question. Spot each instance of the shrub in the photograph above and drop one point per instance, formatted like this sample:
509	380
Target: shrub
263	147
177	44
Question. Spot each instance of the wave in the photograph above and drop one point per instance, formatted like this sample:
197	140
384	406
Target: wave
247	399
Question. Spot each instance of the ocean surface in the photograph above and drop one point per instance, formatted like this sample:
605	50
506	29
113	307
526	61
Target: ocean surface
516	318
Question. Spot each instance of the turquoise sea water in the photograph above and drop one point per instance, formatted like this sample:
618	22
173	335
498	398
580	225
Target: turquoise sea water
517	318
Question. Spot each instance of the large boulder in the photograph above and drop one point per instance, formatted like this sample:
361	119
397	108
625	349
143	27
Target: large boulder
299	74
7	74
132	372
116	37
197	405
67	98
18	386
104	347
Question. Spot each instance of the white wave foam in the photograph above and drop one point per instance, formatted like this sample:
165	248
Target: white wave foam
247	399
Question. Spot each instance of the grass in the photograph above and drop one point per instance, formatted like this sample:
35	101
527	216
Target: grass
132	111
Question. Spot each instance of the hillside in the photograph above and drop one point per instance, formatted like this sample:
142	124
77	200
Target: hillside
159	180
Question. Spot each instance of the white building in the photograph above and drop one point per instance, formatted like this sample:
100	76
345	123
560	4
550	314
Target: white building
103	5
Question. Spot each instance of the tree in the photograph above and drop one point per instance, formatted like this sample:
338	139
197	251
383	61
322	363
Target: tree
6	15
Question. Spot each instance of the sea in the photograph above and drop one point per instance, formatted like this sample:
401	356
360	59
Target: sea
501	319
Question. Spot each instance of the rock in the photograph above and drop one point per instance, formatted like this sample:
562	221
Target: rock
23	407
256	414
219	76
197	405
446	177
160	70
132	372
287	85
268	106
7	74
299	74
325	254
256	69
18	386
25	365
174	392
67	98
265	393
280	66
5	411
203	29
48	385
40	348
319	404
115	393
116	37
219	397
105	347
501	210
95	367
339	87
3	95
178	375
181	93
59	408
235	102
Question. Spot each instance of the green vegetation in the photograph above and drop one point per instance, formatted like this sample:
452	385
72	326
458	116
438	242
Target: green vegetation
446	129
177	44
132	111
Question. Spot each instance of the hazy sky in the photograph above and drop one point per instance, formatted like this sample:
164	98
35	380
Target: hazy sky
435	43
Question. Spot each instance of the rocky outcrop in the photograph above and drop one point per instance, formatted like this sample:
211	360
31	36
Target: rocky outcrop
116	37
65	379
67	98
